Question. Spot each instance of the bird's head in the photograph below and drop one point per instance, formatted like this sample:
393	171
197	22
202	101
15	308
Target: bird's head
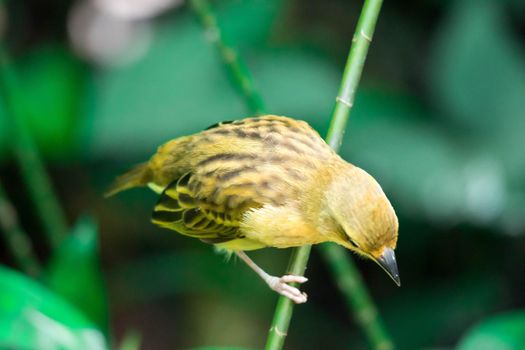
360	217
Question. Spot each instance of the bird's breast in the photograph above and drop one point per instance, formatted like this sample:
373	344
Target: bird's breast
279	227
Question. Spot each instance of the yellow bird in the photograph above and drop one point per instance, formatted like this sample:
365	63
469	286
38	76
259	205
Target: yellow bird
267	181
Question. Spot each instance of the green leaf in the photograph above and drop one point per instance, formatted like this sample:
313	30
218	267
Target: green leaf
32	317
502	332
53	81
74	272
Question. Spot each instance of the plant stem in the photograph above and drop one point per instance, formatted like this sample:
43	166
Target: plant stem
28	159
342	267
237	69
352	73
356	296
17	240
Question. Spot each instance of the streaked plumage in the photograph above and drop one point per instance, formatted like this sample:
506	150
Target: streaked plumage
266	181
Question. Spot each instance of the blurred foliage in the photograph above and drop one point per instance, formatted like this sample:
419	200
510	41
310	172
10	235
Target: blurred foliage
74	272
53	82
32	317
152	87
438	120
501	332
445	309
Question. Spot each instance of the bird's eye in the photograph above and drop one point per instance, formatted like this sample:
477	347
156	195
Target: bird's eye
347	238
352	242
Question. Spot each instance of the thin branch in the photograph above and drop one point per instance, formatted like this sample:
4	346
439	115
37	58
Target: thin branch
342	267
27	157
357	297
17	240
352	73
237	69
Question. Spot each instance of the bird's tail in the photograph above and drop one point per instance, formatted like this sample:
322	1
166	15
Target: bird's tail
140	175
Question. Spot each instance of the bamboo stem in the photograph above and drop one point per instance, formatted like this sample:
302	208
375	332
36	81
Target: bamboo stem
352	73
31	166
17	240
237	69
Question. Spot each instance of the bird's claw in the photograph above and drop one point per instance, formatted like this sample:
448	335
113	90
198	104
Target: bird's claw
281	286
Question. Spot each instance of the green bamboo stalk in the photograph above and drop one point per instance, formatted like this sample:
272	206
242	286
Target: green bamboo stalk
352	73
342	267
237	69
17	240
26	154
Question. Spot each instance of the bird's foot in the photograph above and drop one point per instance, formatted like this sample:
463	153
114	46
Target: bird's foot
281	286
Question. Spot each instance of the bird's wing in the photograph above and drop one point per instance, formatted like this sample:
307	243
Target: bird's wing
178	209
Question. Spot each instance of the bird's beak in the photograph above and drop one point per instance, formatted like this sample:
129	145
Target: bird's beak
387	261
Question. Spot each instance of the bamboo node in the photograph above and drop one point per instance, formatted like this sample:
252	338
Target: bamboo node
343	101
367	38
278	332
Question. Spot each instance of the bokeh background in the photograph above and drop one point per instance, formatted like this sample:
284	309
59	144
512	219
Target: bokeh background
439	120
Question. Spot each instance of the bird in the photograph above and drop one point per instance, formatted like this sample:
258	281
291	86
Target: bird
267	181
